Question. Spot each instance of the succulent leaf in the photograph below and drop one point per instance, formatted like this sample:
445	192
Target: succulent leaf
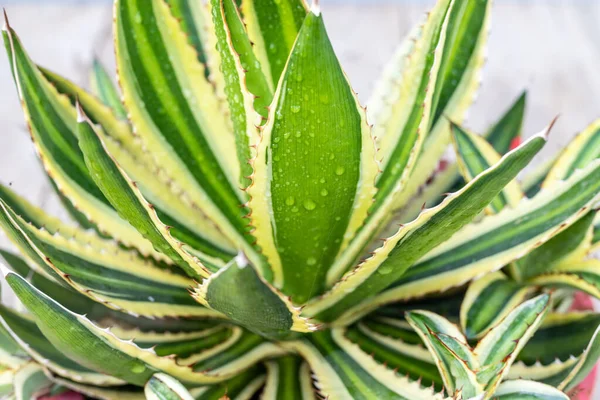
302	211
30	381
103	87
170	200
256	305
453	357
32	342
523	390
164	387
175	113
52	124
343	371
75	335
475	250
500	346
397	347
288	378
400	252
475	155
488	300
273	27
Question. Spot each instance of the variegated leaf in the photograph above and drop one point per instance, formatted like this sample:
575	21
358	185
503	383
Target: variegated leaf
288	378
455	90
163	387
171	201
475	155
395	344
497	240
500	346
31	340
104	88
244	83
488	300
273	27
399	253
183	126
52	122
254	298
126	198
74	335
404	133
117	279
30	382
343	371
525	390
302	211
453	357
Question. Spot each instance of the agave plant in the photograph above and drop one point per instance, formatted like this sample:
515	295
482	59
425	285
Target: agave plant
230	199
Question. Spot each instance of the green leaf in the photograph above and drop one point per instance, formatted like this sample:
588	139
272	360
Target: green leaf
500	135
273	27
100	392
452	355
301	211
508	127
192	17
172	202
288	378
488	300
464	55
79	339
116	278
52	122
30	381
497	240
398	347
571	244
103	86
475	155
241	78
164	387
68	298
580	152
122	193
582	275
528	390
243	386
559	337
30	339
175	111
585	364
254	298
403	135
500	346
344	371
414	240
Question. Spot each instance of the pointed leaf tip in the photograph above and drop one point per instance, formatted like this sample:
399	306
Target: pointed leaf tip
315	8
81	117
6	25
546	132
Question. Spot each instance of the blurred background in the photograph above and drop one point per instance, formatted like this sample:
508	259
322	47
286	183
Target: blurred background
551	48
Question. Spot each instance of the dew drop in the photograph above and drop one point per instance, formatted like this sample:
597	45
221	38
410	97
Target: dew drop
324	192
311	261
340	171
309	204
384	269
138	368
295	109
290	201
